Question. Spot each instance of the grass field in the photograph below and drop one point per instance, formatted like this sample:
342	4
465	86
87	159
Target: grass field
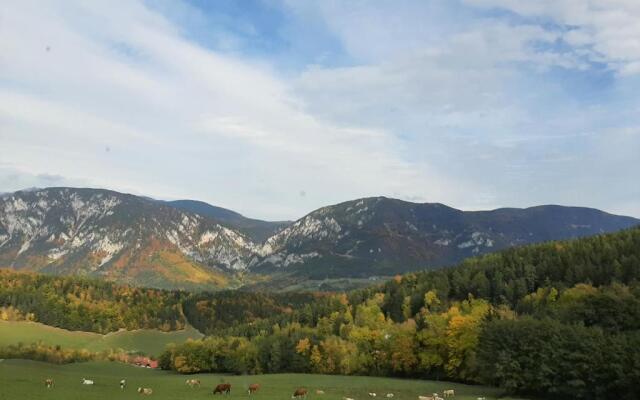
21	379
149	341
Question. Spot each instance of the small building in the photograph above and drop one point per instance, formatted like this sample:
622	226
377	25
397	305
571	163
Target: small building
144	362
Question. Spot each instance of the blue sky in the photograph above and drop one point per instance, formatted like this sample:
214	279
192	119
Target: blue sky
276	107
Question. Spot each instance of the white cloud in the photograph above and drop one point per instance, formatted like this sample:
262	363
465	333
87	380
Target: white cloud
604	31
116	97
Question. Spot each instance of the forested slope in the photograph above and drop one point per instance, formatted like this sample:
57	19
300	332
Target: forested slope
560	319
87	304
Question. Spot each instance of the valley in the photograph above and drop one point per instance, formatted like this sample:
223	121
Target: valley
320	200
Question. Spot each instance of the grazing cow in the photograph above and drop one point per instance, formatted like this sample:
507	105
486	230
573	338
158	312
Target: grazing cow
318	391
123	384
449	392
87	381
300	393
482	398
48	383
347	398
426	398
193	382
372	394
254	387
145	391
222	388
389	395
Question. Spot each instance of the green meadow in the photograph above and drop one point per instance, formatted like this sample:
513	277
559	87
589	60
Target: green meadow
22	379
148	341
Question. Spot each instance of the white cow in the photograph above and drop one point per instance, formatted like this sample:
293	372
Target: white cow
87	381
389	395
145	391
449	392
372	395
123	384
193	382
425	398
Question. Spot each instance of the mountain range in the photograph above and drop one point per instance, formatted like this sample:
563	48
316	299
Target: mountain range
194	245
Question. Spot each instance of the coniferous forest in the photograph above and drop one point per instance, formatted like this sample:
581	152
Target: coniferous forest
559	319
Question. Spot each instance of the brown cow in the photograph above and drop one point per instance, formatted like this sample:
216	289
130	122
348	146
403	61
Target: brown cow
300	392
254	387
223	388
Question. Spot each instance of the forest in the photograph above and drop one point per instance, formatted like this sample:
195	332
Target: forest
81	304
559	320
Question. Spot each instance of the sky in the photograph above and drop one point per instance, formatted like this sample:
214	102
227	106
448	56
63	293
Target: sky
274	108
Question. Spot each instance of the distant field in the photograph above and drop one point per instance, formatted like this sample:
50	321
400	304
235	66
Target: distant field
20	379
148	341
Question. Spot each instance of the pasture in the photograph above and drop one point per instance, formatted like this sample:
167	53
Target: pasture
22	379
148	341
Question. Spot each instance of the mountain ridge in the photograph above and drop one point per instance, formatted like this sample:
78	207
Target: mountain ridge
429	230
142	241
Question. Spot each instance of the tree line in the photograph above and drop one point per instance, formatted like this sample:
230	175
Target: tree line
58	355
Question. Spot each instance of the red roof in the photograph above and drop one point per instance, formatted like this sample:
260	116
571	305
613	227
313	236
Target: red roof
144	362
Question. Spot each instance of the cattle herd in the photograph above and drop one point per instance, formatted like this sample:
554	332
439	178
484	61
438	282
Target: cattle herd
225	388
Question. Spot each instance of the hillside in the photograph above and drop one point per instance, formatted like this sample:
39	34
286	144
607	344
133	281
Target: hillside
117	236
147	341
382	236
91	305
505	277
556	320
193	245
